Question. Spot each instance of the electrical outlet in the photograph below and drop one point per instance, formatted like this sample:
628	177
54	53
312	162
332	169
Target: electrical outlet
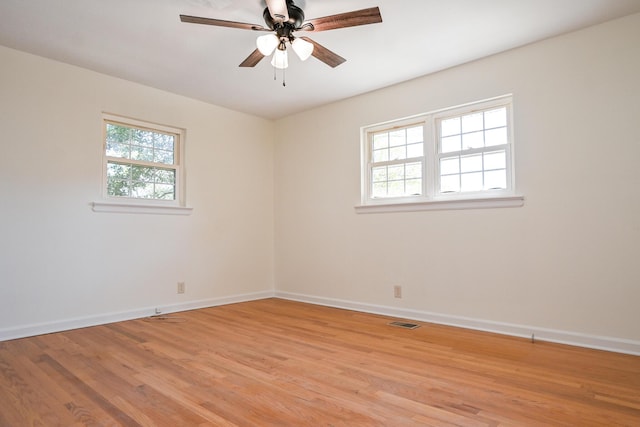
181	287
397	291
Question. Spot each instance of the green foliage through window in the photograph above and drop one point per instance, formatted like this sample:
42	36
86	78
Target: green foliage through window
140	162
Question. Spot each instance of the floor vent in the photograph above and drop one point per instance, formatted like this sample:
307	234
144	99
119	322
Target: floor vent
405	325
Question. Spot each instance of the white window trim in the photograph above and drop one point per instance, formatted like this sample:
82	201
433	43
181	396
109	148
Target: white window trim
139	208
111	204
430	200
440	204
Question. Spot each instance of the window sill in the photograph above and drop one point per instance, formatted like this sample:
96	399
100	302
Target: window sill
448	204
139	208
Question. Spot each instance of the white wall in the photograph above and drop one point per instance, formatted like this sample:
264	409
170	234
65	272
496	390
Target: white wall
61	264
567	260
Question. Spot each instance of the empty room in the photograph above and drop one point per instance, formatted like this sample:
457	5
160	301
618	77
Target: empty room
320	213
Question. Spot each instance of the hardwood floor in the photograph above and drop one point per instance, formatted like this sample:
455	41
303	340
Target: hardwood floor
281	363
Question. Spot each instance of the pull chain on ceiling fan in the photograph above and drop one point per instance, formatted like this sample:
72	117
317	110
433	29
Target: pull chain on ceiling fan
282	19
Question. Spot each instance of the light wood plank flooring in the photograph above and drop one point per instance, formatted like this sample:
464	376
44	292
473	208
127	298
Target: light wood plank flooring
281	363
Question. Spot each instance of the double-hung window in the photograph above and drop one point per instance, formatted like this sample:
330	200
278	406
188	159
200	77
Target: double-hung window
142	163
473	151
397	161
453	158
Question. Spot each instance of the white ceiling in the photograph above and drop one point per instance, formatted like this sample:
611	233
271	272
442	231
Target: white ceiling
145	42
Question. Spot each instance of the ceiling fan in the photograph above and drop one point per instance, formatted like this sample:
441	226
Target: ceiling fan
282	19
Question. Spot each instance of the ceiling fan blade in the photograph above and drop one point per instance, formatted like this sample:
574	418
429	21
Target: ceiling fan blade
278	10
325	55
222	23
348	19
253	59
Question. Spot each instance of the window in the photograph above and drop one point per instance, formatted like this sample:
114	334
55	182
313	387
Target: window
397	159
142	162
453	155
472	151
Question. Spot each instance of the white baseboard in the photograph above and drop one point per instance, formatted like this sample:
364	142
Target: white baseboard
101	319
541	334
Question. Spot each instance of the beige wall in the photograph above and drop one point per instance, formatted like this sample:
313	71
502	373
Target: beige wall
567	260
60	261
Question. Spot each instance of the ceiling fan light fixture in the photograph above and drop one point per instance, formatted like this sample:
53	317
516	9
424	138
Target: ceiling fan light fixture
302	48
280	59
267	44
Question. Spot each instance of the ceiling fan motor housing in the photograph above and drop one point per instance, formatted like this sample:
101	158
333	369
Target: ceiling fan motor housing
296	18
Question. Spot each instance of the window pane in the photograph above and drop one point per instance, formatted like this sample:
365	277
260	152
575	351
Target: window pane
471	181
380	140
116	170
450	183
379	174
143	137
413	170
449	166
495	160
397	137
472	140
496	136
380	155
398	153
164	142
495	179
414	134
450	143
141	153
472	122
141	174
165	176
142	190
495	118
117	133
414	187
450	127
116	149
471	163
164	192
162	156
117	187
380	189
395	172
415	150
396	188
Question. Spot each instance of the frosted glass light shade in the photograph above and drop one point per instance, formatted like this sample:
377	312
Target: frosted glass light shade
280	59
267	44
302	48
